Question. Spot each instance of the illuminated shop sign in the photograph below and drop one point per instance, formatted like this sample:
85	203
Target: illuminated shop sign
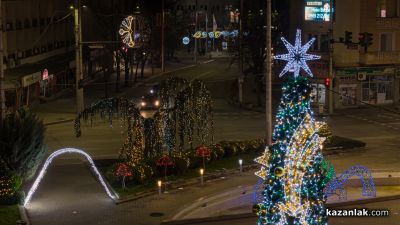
317	10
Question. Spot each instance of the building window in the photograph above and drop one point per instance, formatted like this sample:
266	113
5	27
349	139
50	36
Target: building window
324	43
18	25
27	23
9	26
34	22
313	47
386	42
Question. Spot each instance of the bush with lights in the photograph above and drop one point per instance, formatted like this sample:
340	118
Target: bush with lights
292	166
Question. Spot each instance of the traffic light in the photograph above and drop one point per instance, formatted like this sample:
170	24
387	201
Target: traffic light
348	37
361	39
368	39
327	82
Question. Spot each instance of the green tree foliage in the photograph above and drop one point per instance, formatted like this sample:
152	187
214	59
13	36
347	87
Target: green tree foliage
22	146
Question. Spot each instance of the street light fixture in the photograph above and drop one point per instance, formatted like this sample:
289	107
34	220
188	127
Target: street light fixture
159	183
241	165
201	176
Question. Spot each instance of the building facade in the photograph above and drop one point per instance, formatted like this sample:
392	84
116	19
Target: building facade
362	75
34	31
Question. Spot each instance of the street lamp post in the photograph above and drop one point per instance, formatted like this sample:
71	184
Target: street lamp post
2	89
241	76
163	37
330	94
268	74
195	39
78	56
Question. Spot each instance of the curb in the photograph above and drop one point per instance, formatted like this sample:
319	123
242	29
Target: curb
363	201
24	214
252	215
208	219
190	182
58	122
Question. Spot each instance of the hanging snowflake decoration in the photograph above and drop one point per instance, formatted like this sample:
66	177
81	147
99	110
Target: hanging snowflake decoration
127	32
297	56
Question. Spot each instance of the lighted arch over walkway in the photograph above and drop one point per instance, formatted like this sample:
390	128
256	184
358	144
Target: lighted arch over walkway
368	186
49	160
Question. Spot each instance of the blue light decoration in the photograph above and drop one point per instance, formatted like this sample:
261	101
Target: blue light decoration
185	40
292	166
257	192
368	186
297	56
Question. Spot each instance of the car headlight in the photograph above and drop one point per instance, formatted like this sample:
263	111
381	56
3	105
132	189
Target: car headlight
157	103
143	103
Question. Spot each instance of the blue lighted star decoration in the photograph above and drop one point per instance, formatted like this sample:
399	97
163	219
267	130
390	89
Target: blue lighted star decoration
297	56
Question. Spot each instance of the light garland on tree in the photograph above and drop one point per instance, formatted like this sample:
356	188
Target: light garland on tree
292	166
49	160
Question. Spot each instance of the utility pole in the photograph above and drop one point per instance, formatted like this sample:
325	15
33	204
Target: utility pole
78	56
268	74
163	38
241	77
195	39
330	91
2	94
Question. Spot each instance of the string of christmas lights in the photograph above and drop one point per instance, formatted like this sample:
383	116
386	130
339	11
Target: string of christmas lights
49	160
292	166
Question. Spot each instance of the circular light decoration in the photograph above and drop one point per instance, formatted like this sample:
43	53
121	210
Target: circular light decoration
126	31
185	40
279	171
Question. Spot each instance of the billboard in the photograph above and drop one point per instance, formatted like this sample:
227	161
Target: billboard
317	10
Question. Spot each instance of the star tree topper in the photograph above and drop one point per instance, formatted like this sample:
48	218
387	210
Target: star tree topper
297	56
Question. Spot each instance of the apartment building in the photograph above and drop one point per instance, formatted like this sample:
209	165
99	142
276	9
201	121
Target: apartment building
34	31
362	75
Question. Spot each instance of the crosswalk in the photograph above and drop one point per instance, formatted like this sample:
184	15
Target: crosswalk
386	120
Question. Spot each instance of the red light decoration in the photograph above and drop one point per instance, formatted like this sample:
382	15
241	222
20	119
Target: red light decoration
123	171
203	151
165	161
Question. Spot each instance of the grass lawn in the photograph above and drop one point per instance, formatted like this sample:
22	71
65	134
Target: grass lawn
9	214
224	163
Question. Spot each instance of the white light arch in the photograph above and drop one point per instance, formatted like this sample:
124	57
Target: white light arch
49	161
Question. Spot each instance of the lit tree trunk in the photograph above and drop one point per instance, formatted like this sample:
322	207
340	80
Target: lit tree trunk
123	183
118	60
126	69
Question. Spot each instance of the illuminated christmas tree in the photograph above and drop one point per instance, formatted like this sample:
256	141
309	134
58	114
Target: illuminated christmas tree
292	166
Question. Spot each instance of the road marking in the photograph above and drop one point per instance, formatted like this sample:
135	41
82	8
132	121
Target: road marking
201	75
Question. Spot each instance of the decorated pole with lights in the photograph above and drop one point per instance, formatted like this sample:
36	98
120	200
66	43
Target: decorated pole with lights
292	165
